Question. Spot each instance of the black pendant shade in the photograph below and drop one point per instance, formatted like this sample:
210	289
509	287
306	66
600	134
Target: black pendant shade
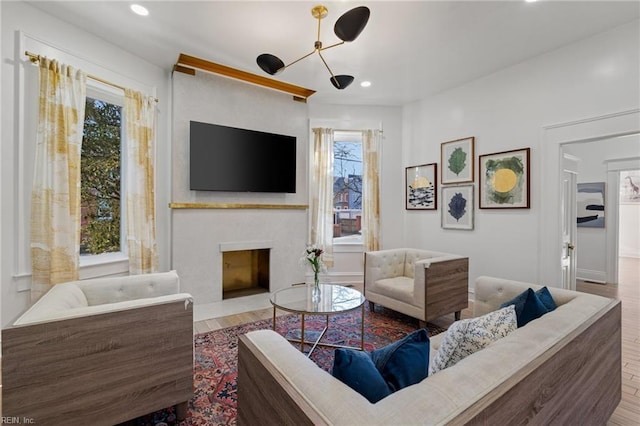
269	63
348	27
341	81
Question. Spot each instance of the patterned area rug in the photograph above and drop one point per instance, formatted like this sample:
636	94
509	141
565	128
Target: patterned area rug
216	356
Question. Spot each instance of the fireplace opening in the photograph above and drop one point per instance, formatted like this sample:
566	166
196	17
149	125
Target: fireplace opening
245	273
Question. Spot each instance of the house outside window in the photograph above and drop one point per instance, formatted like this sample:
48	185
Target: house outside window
347	188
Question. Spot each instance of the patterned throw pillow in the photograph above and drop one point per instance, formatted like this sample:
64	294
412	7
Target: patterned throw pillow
467	336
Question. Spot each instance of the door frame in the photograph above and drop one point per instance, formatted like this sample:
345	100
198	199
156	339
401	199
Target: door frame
552	138
569	227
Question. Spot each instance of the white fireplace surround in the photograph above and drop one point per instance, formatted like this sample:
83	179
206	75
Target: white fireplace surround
245	245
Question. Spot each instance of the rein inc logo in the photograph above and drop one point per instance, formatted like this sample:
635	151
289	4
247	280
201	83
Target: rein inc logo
5	420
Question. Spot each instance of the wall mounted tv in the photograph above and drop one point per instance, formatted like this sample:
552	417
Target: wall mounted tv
229	159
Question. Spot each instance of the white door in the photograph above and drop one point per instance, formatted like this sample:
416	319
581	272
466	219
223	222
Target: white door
568	207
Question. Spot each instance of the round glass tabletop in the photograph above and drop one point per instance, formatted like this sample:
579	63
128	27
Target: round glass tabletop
333	299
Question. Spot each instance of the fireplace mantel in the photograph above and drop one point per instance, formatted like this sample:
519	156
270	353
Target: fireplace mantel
245	245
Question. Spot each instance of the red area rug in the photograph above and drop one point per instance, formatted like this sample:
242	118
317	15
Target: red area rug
216	356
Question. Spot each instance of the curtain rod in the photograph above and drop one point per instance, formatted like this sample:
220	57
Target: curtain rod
35	58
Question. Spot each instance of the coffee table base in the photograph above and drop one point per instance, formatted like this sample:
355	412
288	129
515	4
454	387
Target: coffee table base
303	342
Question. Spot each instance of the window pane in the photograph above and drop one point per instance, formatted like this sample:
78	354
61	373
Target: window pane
100	178
347	189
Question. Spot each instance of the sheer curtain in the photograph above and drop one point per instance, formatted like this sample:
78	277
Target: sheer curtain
55	197
371	141
140	117
322	193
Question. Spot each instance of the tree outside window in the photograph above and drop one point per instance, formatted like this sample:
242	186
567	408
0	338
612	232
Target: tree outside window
100	178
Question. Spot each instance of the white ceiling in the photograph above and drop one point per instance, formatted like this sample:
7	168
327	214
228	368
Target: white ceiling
409	50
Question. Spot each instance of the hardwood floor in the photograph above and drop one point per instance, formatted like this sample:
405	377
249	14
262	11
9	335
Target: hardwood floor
628	291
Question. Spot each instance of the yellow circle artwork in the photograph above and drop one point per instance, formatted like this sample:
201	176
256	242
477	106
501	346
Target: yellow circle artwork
421	182
504	180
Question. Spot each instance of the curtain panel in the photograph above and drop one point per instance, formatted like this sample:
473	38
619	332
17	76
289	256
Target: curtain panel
140	122
55	197
371	142
322	193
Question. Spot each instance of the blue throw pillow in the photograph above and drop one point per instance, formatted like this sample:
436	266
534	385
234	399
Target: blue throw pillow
356	370
546	298
528	307
405	362
378	374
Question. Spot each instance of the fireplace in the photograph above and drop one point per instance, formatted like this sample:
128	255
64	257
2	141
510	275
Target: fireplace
245	271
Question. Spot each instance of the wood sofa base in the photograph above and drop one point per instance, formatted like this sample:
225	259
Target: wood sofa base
101	369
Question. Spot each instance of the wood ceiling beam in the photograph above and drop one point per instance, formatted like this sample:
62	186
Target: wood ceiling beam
186	63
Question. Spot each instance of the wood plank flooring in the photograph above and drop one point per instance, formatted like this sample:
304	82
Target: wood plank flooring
628	291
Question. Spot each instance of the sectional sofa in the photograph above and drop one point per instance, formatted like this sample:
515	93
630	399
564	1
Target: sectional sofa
562	368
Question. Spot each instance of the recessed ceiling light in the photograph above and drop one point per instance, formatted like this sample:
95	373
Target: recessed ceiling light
365	84
531	1
139	10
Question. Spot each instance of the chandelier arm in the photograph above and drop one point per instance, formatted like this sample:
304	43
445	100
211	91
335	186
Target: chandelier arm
333	45
298	60
333	77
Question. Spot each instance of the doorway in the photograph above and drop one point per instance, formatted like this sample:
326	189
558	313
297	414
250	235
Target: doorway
553	140
629	222
599	243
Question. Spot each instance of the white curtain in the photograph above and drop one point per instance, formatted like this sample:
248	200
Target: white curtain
140	120
371	142
55	197
322	193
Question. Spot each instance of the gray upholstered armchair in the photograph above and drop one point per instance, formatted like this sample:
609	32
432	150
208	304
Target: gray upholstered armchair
423	284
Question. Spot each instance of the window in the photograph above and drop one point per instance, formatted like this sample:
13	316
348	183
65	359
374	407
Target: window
347	187
100	177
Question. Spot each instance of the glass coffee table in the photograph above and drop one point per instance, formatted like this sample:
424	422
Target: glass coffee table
334	299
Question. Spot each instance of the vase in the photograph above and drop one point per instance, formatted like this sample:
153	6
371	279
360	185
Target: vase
315	293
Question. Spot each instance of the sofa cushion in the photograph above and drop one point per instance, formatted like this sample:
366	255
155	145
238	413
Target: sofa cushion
357	370
405	362
528	306
398	288
465	337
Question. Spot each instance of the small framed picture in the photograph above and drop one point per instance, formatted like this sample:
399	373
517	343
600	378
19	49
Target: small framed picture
590	201
457	207
456	159
421	187
504	180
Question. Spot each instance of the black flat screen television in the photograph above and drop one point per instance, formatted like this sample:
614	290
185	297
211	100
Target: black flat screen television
230	159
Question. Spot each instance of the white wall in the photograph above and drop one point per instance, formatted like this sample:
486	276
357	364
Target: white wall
71	45
197	234
508	110
629	243
591	242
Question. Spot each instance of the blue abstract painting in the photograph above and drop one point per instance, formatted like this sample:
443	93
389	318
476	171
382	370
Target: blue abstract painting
590	201
457	212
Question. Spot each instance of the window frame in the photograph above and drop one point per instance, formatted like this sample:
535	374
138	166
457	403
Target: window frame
95	265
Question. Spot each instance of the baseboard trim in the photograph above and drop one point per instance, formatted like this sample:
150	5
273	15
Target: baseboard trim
592	276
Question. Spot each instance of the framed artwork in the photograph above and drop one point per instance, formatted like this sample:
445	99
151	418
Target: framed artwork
504	180
630	187
457	207
456	159
422	187
590	201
